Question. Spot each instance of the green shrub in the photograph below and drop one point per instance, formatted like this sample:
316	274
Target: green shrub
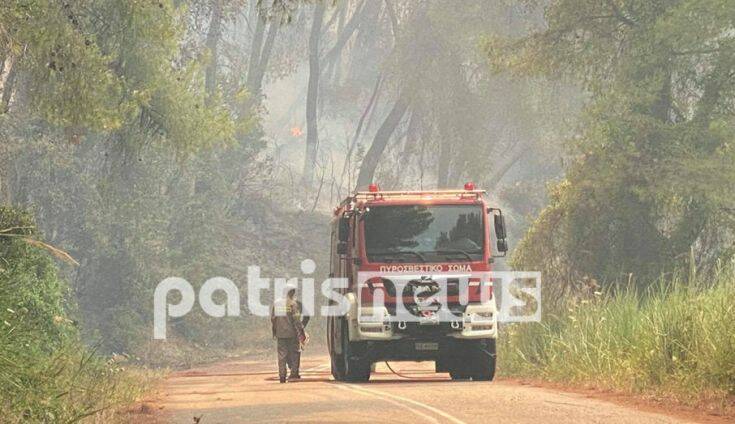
673	337
46	374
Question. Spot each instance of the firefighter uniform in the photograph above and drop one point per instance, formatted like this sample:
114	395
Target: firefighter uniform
288	329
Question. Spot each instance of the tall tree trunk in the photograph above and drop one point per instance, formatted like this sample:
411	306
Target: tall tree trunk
501	167
213	37
255	50
349	29
445	160
368	36
719	77
331	58
393	20
374	153
358	130
412	136
332	70
3	56
312	136
8	87
270	39
661	109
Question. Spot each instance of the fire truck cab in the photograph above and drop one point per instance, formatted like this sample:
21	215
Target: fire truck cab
416	266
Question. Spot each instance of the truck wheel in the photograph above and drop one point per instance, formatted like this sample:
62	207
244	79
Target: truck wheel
357	370
483	361
354	369
335	359
458	372
338	366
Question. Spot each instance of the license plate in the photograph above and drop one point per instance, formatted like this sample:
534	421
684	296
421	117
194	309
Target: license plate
427	346
428	318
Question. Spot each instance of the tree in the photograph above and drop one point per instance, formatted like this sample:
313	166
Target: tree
312	136
465	122
384	133
100	66
261	51
635	198
128	197
214	36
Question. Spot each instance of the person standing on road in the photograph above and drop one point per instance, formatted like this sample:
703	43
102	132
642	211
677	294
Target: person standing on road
288	330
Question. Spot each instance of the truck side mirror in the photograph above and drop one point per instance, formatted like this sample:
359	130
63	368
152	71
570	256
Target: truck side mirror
500	233
499	226
344	230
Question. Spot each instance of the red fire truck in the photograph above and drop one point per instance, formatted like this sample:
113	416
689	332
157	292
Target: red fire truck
428	252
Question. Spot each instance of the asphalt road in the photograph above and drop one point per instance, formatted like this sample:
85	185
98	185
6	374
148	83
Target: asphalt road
248	391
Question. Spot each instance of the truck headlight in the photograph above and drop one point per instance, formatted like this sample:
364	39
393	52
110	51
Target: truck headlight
374	315
480	314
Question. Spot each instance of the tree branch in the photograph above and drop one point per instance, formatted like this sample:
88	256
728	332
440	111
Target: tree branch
619	14
360	123
347	32
393	19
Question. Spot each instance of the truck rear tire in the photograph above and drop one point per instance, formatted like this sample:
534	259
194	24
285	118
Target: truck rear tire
483	361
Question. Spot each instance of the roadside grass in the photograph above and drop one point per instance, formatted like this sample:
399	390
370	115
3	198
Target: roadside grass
47	374
70	384
674	339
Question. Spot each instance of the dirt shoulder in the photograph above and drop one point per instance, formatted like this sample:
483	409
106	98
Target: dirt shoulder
705	412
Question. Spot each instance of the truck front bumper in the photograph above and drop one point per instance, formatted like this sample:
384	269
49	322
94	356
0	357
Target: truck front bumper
478	321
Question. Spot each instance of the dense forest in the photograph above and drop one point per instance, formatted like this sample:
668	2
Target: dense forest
144	139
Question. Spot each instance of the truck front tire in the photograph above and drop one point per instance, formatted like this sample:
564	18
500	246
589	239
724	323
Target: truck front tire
338	366
477	363
483	361
349	366
459	373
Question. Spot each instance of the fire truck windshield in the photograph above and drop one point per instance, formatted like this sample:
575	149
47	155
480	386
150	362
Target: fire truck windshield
419	233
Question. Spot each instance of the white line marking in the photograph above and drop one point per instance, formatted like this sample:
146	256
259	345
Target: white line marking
382	395
417	403
351	388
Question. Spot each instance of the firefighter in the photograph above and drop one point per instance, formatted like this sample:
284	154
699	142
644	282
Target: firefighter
288	330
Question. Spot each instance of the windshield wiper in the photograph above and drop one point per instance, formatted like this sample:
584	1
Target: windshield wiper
387	254
454	252
417	254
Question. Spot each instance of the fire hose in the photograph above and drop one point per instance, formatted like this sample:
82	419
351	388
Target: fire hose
422	378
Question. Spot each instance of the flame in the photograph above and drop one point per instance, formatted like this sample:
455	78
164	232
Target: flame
296	132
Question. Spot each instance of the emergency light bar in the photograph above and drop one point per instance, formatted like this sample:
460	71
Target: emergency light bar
434	193
374	192
417	192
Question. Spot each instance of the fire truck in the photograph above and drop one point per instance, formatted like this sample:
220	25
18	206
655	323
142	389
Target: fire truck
425	256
